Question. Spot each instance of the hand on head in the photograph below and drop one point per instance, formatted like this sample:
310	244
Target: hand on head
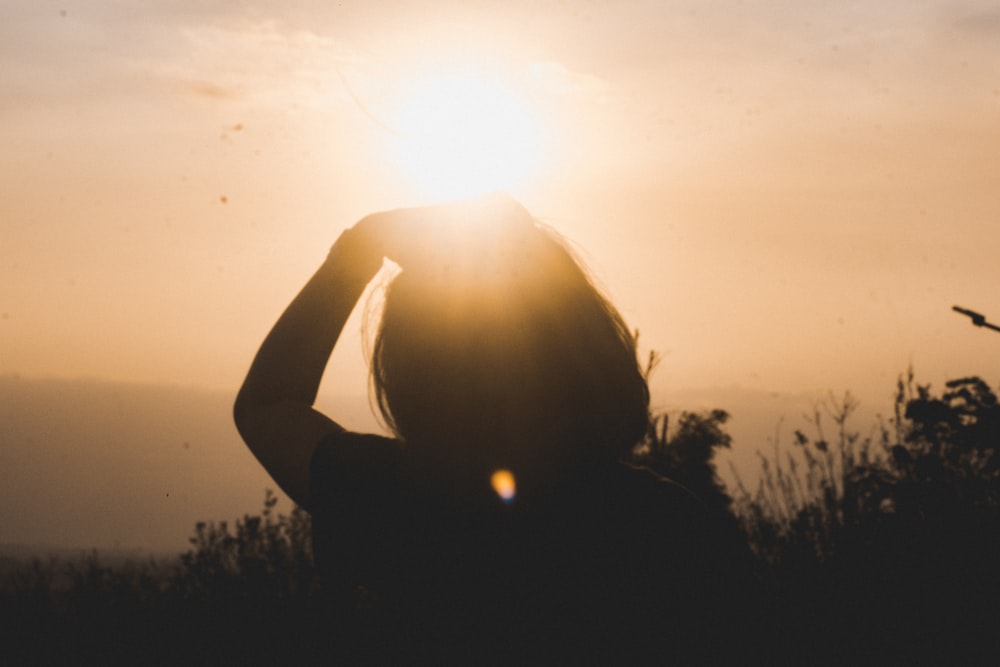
415	236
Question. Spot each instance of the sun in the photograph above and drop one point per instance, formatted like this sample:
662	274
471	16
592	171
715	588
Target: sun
461	135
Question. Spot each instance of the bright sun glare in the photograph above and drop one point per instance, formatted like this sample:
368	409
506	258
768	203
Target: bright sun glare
462	135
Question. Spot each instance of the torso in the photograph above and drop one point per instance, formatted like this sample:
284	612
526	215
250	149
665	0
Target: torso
607	548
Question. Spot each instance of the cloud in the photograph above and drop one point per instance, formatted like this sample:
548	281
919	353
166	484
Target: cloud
260	62
984	22
209	90
100	55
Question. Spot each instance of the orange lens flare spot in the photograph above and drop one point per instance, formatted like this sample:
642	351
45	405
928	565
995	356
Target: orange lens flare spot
503	483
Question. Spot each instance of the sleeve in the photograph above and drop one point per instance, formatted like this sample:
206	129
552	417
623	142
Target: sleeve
346	463
356	490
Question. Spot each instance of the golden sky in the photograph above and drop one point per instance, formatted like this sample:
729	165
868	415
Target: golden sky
786	196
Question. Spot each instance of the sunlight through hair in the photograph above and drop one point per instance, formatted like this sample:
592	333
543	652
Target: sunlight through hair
462	135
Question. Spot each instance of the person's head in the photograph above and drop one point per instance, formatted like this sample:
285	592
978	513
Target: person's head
500	342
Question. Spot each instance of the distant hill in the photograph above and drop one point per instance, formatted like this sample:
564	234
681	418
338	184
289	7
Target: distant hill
94	464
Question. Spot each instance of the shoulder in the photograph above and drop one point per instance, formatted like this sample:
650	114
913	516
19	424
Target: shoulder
351	448
643	488
674	522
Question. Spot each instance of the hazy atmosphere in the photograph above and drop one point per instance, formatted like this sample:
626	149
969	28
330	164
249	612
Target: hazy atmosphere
784	198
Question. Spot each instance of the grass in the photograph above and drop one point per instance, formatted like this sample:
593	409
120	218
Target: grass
218	603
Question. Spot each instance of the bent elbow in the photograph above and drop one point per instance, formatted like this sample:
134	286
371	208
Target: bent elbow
243	412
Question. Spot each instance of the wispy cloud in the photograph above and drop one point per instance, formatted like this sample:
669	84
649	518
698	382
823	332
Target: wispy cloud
259	62
219	52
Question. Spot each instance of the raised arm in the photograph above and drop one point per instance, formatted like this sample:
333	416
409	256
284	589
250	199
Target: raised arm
274	409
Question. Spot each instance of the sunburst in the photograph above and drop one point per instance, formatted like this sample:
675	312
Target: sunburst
461	135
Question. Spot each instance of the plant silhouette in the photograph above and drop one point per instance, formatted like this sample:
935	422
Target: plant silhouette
888	541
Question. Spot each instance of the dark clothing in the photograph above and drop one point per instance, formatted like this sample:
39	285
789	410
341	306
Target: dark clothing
610	563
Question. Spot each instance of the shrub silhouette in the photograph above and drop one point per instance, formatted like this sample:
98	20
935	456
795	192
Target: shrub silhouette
685	453
888	541
222	602
806	497
946	457
266	557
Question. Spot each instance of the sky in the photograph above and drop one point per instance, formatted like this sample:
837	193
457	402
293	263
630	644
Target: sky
781	196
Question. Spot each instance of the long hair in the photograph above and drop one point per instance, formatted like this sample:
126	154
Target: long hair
499	333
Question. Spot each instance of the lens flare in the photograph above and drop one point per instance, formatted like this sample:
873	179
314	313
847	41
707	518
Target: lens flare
503	484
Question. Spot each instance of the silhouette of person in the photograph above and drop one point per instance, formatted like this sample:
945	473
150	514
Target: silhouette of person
495	352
